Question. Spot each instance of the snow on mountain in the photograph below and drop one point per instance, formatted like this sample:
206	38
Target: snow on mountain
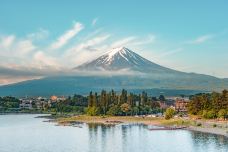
122	58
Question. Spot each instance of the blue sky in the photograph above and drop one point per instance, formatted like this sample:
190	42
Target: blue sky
38	38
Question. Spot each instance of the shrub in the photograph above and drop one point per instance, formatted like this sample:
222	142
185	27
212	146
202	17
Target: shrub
209	114
113	111
222	113
169	113
125	108
92	111
204	114
199	124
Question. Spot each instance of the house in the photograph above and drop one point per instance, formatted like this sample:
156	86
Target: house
181	104
163	105
26	103
53	98
57	99
40	102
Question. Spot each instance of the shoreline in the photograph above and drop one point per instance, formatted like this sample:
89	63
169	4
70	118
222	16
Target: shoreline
161	122
216	131
115	120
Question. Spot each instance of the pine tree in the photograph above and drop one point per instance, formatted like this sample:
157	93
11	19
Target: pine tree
90	99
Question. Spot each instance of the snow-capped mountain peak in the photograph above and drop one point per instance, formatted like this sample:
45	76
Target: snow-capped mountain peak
121	52
121	58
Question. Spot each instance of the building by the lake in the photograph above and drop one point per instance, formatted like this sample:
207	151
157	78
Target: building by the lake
181	104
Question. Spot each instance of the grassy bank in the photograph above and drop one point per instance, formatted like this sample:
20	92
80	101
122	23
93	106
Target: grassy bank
124	119
214	127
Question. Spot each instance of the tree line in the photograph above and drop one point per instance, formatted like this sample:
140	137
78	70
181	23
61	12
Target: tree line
7	103
111	103
209	105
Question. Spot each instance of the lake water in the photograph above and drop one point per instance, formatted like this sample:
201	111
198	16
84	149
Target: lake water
24	133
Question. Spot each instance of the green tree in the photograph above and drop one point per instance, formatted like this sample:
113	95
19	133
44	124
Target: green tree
161	98
135	110
104	102
169	113
90	99
211	114
114	110
222	114
130	99
123	96
125	108
144	98
92	111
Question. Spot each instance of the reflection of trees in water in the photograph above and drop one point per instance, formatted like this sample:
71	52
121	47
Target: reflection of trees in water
92	130
128	131
99	135
205	140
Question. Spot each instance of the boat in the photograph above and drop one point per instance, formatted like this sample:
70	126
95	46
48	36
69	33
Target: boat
168	128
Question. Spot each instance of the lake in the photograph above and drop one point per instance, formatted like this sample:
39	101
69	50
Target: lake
25	133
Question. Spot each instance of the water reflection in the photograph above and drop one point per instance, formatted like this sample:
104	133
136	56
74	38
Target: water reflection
206	141
27	134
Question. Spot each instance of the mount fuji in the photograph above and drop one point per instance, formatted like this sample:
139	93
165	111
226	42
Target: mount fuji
118	63
123	59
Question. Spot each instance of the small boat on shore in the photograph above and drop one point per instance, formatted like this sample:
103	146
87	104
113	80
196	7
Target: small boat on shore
168	128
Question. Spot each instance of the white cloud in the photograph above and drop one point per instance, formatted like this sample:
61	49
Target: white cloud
7	41
201	39
44	60
10	46
123	42
170	52
25	46
88	44
85	50
4	80
133	41
39	35
68	35
93	42
147	40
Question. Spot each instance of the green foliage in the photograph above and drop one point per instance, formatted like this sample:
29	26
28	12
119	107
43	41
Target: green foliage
222	113
92	111
209	114
125	108
199	124
75	104
162	98
212	114
169	113
104	103
114	110
8	103
135	110
109	103
209	105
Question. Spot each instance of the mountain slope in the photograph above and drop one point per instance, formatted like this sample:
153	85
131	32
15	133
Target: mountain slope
123	58
70	85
